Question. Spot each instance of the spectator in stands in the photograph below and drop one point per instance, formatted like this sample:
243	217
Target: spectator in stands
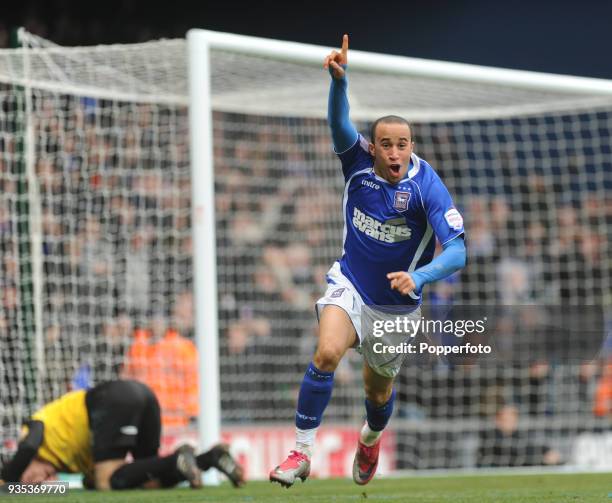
507	445
513	282
176	360
249	353
112	337
292	269
169	365
536	388
137	274
139	357
602	405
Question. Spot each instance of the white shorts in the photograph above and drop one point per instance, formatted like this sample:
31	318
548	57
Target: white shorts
343	294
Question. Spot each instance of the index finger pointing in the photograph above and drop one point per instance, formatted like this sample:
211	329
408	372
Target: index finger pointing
345	43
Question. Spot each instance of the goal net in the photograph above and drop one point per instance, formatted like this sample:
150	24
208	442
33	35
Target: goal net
97	254
95	222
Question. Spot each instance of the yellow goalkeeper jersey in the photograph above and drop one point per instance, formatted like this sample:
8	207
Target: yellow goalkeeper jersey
67	439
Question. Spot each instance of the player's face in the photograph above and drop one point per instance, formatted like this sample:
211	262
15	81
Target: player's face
391	150
38	471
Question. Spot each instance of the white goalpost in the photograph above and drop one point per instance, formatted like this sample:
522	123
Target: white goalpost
189	187
204	244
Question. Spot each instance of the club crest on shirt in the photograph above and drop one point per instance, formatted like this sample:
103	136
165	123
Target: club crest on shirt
400	201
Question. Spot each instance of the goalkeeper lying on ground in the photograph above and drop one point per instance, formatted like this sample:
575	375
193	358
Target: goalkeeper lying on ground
92	431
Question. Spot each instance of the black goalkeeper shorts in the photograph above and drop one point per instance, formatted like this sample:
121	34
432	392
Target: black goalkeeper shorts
124	416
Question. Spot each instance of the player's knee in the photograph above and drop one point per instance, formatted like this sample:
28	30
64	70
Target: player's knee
377	397
327	359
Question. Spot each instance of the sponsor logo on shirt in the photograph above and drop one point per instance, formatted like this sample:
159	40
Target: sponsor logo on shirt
454	219
370	184
393	230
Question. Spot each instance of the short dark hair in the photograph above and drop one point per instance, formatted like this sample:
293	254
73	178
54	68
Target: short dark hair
388	119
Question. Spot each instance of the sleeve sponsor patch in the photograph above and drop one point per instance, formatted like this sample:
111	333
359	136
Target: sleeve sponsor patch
454	219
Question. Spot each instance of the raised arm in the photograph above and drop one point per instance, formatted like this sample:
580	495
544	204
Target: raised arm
344	133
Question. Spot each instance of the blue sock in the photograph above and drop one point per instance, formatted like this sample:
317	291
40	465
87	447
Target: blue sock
378	417
315	393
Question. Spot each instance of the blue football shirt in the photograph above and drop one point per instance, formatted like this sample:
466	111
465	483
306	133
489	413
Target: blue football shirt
391	227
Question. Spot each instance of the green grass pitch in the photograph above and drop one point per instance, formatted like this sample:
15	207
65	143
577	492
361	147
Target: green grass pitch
555	488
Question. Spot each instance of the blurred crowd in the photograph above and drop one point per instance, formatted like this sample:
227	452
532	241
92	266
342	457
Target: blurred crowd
114	190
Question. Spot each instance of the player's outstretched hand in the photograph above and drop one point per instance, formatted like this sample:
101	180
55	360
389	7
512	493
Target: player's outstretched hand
401	281
336	59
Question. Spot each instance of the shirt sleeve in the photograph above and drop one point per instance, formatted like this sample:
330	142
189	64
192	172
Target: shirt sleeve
349	145
356	158
344	134
452	258
26	450
443	216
